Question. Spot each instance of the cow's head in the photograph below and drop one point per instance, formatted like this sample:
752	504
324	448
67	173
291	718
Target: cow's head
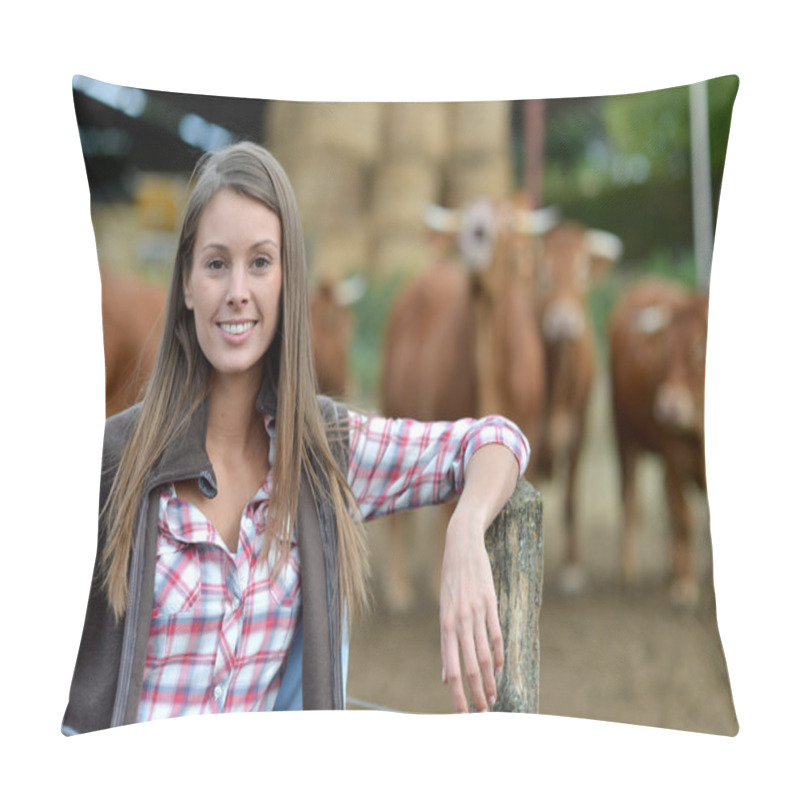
492	239
680	399
569	257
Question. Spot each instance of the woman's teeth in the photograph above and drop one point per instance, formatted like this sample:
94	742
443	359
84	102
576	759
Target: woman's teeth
236	327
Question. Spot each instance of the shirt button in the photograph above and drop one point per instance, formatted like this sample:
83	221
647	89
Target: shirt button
217	692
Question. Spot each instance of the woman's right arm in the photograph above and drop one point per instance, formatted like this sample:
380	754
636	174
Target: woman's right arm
399	464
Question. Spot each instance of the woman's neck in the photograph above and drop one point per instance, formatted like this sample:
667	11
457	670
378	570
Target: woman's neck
234	423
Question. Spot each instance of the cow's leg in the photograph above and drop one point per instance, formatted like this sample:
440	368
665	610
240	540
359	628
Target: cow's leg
543	457
399	595
628	456
684	591
572	577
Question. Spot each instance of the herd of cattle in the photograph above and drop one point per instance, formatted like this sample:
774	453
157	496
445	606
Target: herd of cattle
500	324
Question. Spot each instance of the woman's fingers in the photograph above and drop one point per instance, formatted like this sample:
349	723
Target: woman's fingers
478	652
451	669
478	667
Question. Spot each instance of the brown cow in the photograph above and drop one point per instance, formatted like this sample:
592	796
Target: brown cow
463	342
133	315
658	348
569	257
332	331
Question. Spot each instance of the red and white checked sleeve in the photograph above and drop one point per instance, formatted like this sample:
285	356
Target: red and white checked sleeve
398	464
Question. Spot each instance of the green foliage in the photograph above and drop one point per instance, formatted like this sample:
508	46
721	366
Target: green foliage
623	163
721	94
371	313
571	126
654	125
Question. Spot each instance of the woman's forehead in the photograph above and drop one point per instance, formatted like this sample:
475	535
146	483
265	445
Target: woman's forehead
233	217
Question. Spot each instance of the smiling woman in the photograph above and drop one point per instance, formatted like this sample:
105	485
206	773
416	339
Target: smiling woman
230	549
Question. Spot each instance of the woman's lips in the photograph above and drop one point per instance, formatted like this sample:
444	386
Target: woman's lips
236	331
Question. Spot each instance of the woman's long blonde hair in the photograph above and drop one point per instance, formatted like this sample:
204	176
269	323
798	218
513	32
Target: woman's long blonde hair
180	380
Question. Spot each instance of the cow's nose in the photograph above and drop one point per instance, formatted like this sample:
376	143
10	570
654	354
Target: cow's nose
674	407
564	320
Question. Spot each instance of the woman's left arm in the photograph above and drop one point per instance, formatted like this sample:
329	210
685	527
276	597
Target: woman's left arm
468	603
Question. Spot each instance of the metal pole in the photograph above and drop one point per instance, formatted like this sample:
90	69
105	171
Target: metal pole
701	182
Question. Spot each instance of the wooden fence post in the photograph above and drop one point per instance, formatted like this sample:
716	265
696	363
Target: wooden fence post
515	547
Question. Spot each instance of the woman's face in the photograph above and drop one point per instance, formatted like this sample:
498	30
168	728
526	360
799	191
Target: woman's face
234	284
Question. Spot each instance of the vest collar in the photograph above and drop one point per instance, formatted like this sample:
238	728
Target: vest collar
186	457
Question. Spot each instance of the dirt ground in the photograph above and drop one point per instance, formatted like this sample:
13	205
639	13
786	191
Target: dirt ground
608	653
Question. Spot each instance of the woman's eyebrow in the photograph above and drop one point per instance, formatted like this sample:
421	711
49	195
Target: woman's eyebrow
254	246
268	240
213	246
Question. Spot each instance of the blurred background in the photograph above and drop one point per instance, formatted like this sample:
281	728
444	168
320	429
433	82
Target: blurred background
646	167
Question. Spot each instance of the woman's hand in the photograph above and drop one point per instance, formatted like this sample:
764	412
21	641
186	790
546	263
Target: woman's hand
468	616
467	603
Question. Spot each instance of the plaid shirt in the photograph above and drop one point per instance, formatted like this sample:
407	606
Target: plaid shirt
222	622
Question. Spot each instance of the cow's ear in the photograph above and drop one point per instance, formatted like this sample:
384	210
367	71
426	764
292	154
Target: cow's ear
605	250
441	220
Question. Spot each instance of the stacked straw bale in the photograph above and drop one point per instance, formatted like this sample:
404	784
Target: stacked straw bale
407	178
364	173
328	151
479	159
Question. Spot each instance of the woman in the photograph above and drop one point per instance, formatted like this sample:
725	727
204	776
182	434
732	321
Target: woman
230	551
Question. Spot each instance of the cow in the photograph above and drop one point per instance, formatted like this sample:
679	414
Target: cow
569	258
461	340
132	312
332	329
132	316
657	340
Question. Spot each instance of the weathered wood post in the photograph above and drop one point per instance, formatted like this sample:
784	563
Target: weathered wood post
515	547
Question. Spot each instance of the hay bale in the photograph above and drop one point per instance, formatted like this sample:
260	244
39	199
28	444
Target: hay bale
282	118
479	127
416	129
337	253
401	190
485	176
349	129
331	189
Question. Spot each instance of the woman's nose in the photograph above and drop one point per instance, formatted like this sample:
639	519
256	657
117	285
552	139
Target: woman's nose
238	290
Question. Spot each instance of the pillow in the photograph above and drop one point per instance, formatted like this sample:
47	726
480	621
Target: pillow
628	169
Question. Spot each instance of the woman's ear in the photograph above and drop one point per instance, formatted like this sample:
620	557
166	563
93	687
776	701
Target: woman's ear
187	293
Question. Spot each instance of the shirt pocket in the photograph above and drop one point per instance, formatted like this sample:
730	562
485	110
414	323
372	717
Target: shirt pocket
284	584
178	577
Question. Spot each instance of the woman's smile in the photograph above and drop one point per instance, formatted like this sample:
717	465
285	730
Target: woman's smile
237	331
